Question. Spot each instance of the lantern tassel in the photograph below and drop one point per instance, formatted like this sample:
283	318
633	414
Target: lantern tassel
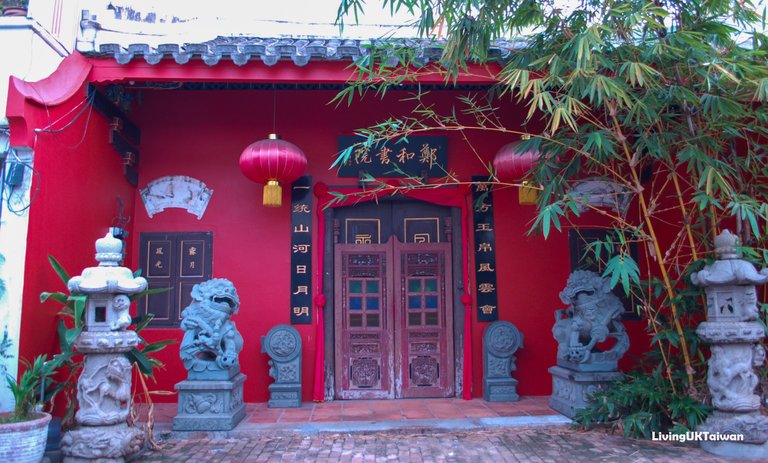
273	194
527	194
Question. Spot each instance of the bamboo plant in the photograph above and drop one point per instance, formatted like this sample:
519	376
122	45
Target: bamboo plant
664	99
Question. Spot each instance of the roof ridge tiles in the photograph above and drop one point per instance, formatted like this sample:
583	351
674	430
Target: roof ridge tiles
301	50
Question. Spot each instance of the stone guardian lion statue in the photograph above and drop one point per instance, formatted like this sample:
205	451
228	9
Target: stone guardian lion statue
593	316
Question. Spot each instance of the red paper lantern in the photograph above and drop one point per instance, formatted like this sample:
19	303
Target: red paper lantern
270	162
511	164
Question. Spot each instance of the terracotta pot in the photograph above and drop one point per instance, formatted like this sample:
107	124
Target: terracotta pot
24	442
14	11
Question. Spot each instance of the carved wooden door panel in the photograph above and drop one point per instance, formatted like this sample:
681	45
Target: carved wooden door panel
393	292
423	321
364	366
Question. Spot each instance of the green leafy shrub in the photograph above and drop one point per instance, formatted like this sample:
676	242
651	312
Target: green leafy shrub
644	403
26	391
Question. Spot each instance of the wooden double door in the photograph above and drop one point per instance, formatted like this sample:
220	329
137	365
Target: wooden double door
393	302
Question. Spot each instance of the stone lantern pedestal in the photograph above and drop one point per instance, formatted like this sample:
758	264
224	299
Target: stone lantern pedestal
733	331
104	385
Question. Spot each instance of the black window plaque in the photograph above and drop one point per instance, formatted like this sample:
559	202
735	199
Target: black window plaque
404	158
301	251
583	258
485	250
176	260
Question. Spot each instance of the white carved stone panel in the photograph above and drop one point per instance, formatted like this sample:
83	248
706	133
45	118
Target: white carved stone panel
176	191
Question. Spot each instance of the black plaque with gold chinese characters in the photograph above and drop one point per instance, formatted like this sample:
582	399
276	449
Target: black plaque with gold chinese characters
415	157
176	260
485	251
301	251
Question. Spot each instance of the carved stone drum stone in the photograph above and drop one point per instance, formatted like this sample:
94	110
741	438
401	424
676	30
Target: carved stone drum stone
500	341
283	345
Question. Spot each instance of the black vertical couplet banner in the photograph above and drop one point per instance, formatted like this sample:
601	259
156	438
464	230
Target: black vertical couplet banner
485	250
301	251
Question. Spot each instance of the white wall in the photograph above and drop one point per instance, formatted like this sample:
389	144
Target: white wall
30	51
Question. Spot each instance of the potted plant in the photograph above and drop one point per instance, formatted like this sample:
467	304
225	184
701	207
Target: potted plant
14	7
23	432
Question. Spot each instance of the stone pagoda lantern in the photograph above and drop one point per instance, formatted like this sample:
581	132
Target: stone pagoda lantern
733	331
104	386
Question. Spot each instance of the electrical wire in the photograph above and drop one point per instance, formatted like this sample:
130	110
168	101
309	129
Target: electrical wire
89	99
33	195
74	108
6	191
10	189
274	109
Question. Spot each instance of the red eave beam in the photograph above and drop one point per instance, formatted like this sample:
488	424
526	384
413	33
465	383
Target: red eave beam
107	70
27	100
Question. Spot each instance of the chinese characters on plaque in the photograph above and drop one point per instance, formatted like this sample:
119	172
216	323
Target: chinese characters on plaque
485	251
412	158
301	251
176	260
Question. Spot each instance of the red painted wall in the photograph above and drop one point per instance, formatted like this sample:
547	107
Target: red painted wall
75	202
202	133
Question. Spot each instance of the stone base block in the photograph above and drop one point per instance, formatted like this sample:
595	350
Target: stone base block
210	405
571	389
500	390
214	375
102	444
591	366
736	450
750	428
284	396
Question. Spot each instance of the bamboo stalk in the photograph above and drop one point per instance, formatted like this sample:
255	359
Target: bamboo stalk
659	255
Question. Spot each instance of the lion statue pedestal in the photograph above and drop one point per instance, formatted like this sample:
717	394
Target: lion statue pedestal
211	399
593	316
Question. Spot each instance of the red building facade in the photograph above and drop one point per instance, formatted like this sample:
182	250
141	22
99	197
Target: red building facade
384	311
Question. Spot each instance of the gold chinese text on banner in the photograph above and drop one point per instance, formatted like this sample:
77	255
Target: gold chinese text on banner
301	251
485	250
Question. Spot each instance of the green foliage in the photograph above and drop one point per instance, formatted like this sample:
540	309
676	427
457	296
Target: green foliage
26	391
641	404
663	101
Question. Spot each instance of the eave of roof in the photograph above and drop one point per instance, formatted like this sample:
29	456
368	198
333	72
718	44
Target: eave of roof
131	37
242	50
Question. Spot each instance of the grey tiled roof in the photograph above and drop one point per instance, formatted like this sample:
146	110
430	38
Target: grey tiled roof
241	50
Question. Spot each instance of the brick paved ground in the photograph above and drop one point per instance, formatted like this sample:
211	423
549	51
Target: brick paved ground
540	445
419	431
